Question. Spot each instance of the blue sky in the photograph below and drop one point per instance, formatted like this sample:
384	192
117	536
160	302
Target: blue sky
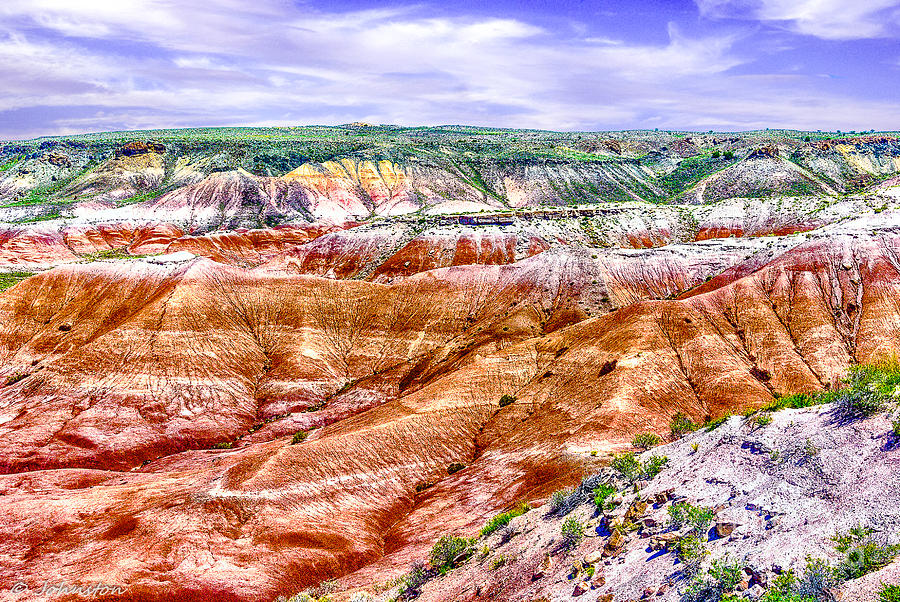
97	65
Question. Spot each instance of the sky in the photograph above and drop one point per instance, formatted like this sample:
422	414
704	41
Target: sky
100	65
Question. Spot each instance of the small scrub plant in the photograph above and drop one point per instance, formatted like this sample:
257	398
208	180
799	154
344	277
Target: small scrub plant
572	532
14	378
694	447
717	583
680	425
507	400
558	500
889	593
697	518
504	518
895	427
498	562
448	550
627	466
863	553
784	590
602	494
631	469
760	420
299	437
810	449
412	582
691	551
223	445
711	425
455	467
646	440
868	390
653	466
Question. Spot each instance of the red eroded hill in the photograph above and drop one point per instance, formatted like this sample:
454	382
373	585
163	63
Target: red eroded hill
119	376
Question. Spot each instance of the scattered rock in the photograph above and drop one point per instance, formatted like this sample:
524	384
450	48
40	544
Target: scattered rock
724	529
593	557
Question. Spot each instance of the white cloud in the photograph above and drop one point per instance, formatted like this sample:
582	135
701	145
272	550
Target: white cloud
167	63
827	19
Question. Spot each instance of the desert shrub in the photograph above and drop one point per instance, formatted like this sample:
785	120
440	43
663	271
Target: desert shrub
868	389
728	155
711	425
646	440
895	427
317	594
680	425
653	466
631	469
810	449
558	500
794	402
572	532
691	551
715	584
889	593
697	518
601	494
361	597
448	550
863	551
412	582
507	400
775	596
627	466
817	578
299	437
760	420
455	467
503	519
716	154
498	562
13	379
223	445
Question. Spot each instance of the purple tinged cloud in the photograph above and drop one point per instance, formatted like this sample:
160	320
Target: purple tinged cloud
714	64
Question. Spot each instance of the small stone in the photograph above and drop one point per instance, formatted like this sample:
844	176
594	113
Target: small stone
664	540
593	557
724	529
648	593
543	568
637	509
598	581
605	598
742	585
581	588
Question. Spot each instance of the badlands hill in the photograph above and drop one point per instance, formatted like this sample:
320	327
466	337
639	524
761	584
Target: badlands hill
236	364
